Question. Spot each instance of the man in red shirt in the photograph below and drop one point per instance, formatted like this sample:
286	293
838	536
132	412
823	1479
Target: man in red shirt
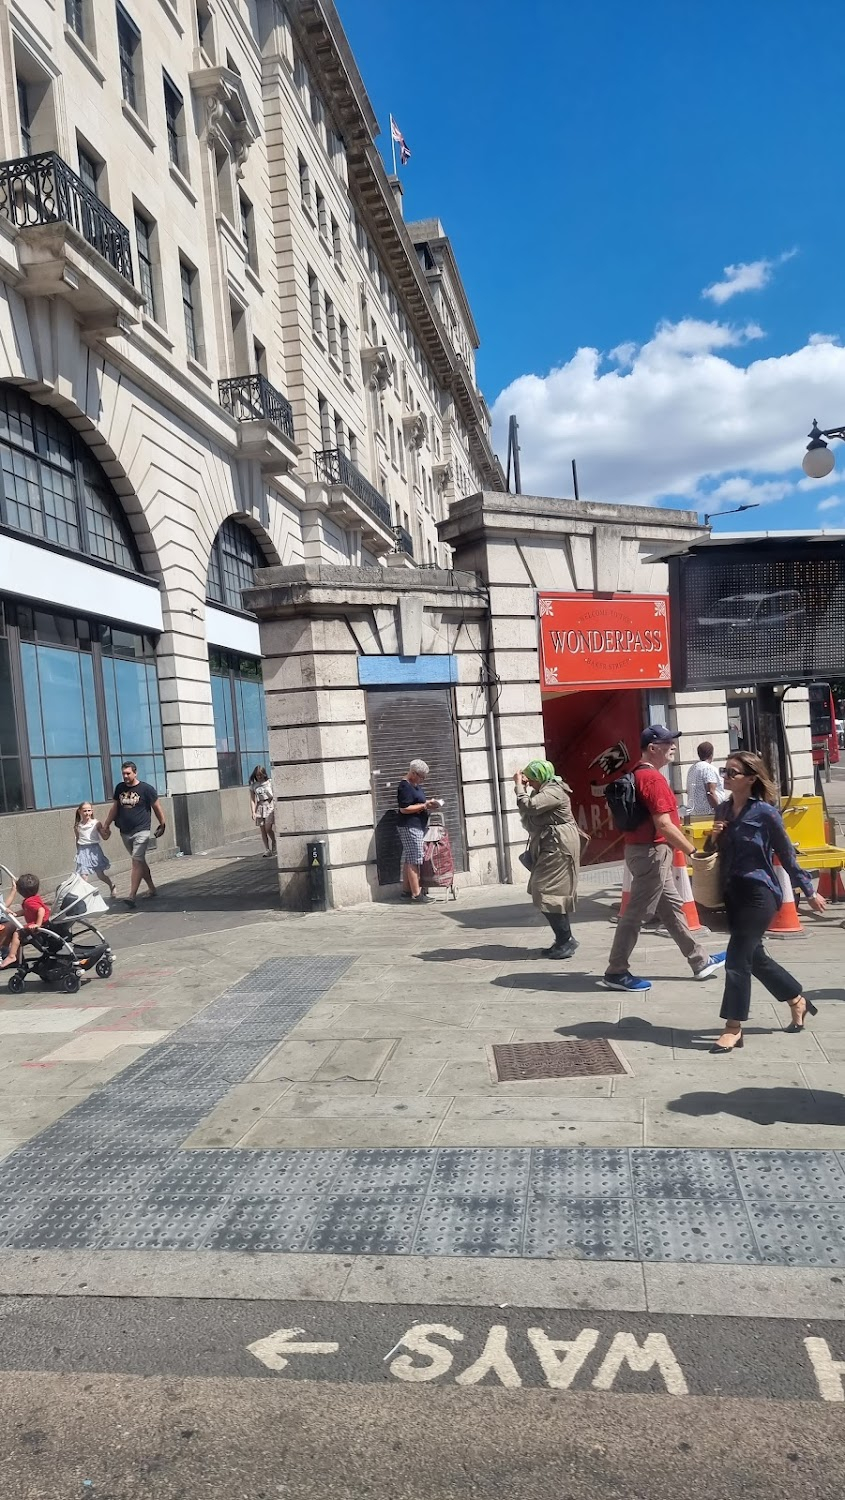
648	855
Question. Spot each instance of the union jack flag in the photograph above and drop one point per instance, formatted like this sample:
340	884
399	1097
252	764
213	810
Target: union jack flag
398	137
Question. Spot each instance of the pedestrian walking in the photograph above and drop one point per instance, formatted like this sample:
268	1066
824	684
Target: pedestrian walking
414	806
748	832
91	859
705	787
649	852
554	849
262	802
133	803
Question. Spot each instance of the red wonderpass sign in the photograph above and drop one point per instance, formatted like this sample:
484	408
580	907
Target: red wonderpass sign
621	640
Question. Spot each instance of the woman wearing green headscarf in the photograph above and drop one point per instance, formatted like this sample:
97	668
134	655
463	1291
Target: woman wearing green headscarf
554	847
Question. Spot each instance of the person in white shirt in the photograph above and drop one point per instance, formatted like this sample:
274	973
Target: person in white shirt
705	787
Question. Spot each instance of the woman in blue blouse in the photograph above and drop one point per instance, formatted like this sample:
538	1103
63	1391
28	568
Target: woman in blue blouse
748	832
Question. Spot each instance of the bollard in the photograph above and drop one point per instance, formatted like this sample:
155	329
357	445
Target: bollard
317	875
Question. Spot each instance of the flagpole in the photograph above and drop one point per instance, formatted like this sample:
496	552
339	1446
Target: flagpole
393	144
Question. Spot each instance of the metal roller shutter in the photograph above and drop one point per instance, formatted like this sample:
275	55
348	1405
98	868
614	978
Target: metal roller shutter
406	724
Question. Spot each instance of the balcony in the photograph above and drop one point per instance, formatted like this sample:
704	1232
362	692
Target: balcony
265	421
336	470
404	540
69	243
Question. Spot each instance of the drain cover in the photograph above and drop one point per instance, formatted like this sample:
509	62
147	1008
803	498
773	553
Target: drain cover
519	1061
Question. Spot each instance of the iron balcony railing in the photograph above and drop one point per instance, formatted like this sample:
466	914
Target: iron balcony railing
251	398
404	540
334	467
44	190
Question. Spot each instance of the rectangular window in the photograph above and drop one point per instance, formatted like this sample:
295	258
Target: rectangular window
304	183
400	443
144	231
25	117
316	306
189	307
353	447
345	350
331	328
259	356
339	433
128	45
240	725
174	114
337	243
325	421
89	170
75	17
322	215
248	229
205	34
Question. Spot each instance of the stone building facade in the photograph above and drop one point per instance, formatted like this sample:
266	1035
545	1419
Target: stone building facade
221	348
451	662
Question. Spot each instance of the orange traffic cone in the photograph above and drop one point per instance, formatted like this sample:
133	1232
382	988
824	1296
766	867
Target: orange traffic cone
785	921
831	885
683	886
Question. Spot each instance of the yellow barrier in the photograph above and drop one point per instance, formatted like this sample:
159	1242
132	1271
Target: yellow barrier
804	821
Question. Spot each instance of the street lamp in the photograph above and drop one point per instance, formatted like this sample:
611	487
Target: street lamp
818	460
712	514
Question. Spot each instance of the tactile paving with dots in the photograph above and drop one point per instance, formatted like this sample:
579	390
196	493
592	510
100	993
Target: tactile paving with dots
519	1062
112	1174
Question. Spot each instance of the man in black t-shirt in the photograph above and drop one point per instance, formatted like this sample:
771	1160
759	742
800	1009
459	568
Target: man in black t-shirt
132	807
414	805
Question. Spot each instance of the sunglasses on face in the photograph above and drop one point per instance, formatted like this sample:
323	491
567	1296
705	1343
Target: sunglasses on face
729	775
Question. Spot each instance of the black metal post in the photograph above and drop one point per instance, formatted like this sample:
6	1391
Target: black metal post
768	717
317	861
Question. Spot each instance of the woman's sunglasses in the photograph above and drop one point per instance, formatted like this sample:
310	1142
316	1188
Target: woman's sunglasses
729	775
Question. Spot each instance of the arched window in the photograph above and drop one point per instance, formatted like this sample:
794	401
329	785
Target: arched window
53	487
235	555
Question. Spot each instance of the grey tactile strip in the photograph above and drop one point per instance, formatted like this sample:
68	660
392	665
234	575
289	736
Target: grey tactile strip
111	1175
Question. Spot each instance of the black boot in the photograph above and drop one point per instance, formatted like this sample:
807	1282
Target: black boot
564	944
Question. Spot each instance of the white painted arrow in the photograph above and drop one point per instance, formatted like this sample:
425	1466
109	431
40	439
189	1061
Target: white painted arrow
274	1350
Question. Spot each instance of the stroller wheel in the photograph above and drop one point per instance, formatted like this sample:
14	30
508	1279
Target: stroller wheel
104	968
70	984
16	983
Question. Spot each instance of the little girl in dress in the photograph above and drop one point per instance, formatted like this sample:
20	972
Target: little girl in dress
90	859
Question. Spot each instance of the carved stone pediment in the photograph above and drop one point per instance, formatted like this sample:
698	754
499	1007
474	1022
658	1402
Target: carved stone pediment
415	425
377	368
229	118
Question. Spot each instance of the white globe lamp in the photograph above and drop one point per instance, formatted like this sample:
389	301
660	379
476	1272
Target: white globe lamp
818	460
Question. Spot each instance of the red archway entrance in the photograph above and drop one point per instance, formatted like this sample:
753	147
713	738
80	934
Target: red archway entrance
591	737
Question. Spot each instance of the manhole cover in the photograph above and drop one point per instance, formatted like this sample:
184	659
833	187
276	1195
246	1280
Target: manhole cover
519	1061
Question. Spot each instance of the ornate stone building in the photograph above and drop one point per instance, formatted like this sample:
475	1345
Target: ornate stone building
221	347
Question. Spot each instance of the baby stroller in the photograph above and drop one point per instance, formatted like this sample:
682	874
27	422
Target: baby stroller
438	866
68	946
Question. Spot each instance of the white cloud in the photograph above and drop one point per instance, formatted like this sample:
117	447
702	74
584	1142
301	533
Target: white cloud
681	420
747	276
832	503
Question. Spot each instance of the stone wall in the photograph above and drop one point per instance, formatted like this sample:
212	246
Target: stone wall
316	623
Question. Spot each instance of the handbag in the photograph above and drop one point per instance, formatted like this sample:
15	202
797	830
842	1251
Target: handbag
526	858
707	880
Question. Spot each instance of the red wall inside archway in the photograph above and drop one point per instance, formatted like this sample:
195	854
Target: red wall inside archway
579	728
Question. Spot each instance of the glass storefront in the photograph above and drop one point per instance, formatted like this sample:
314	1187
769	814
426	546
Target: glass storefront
240	724
76	698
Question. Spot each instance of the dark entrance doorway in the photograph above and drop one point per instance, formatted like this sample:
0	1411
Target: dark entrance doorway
406	724
592	737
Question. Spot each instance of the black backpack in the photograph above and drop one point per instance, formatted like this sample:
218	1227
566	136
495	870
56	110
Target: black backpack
626	809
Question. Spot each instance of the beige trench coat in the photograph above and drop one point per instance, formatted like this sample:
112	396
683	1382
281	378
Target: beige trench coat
555	845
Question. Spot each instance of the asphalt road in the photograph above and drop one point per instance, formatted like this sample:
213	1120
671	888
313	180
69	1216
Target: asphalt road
426	1347
130	1438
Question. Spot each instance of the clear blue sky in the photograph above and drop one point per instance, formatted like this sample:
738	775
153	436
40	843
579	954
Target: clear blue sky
598	164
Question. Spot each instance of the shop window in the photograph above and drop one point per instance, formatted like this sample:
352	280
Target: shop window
52	486
235	555
88	699
240	723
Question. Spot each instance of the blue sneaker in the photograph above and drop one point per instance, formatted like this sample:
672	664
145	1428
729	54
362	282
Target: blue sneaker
626	982
715	962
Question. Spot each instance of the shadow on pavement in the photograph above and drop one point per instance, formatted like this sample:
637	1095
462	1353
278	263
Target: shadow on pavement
773	1106
823	996
493	952
236	892
566	983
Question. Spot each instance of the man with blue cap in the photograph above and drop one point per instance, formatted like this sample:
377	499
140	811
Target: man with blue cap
649	852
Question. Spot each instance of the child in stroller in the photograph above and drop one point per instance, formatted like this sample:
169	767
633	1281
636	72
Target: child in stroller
64	945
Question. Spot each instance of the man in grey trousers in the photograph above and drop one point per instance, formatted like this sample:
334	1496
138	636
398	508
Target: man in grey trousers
648	855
